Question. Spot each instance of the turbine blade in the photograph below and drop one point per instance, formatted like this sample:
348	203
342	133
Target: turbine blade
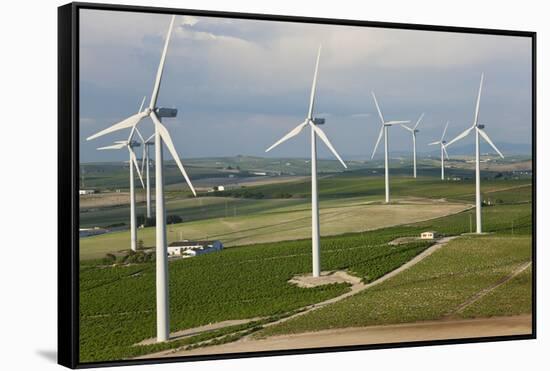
378	141
390	123
418	121
124	124
131	134
324	138
445	150
290	134
114	146
460	136
142	103
139	135
314	86
444	130
433	143
408	128
378	108
478	99
133	159
143	158
151	137
160	69
165	135
488	140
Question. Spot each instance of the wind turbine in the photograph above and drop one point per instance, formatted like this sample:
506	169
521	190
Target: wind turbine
413	131
384	132
479	132
145	167
130	144
161	136
443	150
313	123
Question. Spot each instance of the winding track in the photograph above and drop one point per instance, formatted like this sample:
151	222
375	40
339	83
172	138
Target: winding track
356	287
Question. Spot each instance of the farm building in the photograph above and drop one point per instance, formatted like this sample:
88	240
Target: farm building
193	248
429	235
85	232
217	188
86	191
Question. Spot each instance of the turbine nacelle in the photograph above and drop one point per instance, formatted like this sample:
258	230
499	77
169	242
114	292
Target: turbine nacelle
311	121
479	128
386	124
166	112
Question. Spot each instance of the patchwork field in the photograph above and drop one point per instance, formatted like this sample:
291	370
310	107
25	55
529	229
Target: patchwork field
248	294
117	304
434	289
280	220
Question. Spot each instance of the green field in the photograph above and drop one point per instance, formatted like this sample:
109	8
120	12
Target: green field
344	202
279	220
249	279
512	298
433	288
117	304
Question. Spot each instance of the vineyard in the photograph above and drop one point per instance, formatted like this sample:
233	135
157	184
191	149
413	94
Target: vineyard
237	283
117	303
434	289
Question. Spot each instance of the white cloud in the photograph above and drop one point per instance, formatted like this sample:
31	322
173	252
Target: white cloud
262	71
188	20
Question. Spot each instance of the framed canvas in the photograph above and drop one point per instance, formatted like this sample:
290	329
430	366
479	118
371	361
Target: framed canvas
242	185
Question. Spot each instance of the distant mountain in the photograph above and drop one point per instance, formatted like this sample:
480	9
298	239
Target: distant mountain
505	148
510	149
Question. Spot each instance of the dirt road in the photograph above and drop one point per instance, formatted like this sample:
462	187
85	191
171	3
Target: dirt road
429	330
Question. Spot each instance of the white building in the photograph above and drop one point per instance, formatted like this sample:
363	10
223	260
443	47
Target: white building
86	191
429	235
217	188
86	232
193	248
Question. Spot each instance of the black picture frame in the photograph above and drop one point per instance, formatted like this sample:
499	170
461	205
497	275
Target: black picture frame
68	179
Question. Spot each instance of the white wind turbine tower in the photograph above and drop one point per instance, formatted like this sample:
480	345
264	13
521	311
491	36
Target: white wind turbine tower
443	150
315	131
130	144
384	132
145	167
479	132
161	136
413	131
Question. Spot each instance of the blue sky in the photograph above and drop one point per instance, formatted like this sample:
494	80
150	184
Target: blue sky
239	85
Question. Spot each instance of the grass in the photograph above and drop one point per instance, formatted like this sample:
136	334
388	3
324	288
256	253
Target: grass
429	290
250	200
189	209
287	222
118	304
512	298
356	184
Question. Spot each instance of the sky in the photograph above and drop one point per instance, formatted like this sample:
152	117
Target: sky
240	85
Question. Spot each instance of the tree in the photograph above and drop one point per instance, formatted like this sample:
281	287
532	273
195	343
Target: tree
172	219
